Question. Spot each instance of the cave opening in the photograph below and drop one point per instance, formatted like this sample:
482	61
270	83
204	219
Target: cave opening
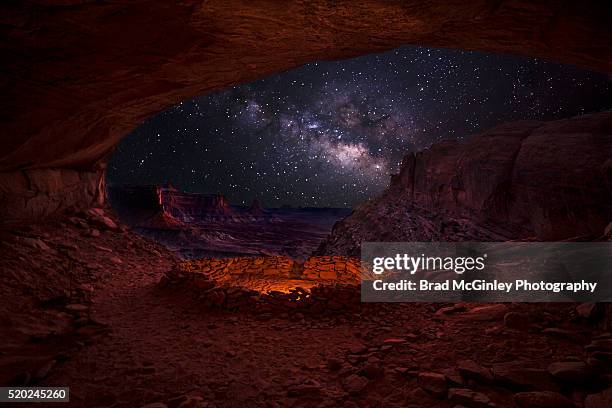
122	321
265	169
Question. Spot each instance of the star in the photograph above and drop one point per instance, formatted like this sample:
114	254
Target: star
330	134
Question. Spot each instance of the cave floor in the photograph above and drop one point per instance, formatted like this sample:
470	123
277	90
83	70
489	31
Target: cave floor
119	341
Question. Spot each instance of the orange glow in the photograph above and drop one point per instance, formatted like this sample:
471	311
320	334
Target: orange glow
275	273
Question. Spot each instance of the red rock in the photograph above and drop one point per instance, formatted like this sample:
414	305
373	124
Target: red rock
75	307
99	218
394	341
116	260
470	369
450	310
469	398
587	310
36	243
192	401
528	379
574	372
310	387
334	364
433	383
373	371
542	399
517	321
355	384
600	400
358	349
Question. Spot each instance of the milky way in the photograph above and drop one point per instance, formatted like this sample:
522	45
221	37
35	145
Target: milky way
331	133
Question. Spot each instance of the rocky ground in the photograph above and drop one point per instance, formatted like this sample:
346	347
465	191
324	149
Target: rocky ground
82	306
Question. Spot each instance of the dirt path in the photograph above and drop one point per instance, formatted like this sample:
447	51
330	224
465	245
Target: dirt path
164	348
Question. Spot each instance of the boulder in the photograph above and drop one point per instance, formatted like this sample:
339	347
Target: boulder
433	383
469	398
600	400
355	384
526	379
471	370
587	311
574	372
542	399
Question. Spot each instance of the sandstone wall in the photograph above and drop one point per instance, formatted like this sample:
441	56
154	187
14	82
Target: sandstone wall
34	194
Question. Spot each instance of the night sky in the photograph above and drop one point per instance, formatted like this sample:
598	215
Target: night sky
329	134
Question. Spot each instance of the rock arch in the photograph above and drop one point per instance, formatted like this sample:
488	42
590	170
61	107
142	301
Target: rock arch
77	76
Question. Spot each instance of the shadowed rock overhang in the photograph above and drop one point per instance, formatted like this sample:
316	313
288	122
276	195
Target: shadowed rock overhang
79	76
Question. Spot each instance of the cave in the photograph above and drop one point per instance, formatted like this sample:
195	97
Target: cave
90	304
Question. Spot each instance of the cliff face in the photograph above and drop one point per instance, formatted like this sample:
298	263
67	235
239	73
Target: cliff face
542	180
165	208
186	206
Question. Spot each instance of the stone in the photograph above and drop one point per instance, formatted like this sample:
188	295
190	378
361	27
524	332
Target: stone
453	378
36	243
600	345
565	334
334	364
574	372
355	384
587	311
76	307
44	371
193	401
600	400
86	287
373	370
608	231
309	387
468	398
542	399
98	217
394	341
116	260
358	349
433	383
526	379
470	369
103	248
448	311
517	321
487	313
